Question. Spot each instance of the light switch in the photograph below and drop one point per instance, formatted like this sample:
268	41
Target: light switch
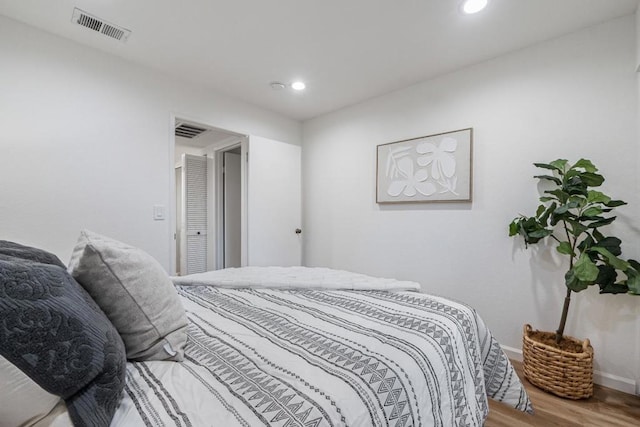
158	212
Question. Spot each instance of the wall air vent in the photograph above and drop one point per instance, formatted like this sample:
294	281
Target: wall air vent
94	23
187	130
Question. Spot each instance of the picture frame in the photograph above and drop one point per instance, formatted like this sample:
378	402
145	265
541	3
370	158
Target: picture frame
433	168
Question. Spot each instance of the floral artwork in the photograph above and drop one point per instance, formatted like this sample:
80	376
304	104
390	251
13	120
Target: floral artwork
429	168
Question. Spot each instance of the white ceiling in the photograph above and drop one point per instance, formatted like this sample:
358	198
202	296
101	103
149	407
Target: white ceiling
345	50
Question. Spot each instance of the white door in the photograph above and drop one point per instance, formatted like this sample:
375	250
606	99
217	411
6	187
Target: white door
274	203
193	239
232	189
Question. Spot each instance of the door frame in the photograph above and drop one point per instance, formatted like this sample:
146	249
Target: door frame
243	138
176	213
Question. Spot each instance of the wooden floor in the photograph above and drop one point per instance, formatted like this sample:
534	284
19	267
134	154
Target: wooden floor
607	408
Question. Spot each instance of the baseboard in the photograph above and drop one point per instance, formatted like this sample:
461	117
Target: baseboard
615	382
512	353
626	385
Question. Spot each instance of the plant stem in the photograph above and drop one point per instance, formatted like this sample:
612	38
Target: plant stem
567	298
563	318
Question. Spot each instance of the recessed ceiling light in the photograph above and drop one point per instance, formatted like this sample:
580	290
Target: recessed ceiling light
474	6
298	85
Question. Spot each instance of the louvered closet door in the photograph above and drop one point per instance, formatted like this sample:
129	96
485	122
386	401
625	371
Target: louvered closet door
194	178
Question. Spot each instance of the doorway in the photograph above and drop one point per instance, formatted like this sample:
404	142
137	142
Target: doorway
231	209
199	155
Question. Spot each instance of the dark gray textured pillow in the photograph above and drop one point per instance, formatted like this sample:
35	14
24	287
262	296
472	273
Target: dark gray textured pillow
11	250
53	331
135	293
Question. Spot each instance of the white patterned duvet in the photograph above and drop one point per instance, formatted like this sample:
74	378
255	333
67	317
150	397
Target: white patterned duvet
308	356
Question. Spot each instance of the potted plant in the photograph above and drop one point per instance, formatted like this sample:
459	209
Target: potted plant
571	214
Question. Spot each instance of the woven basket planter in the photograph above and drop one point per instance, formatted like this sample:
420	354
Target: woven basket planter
565	374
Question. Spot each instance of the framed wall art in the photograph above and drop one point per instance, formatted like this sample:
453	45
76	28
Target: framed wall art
434	168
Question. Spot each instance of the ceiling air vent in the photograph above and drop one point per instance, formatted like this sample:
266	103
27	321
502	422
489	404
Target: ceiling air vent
94	23
186	130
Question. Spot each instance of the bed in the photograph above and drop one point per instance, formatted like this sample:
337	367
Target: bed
274	346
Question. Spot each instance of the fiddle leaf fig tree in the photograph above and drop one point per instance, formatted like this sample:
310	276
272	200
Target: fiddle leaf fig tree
572	214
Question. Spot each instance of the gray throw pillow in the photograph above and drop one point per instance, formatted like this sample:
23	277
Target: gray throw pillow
135	293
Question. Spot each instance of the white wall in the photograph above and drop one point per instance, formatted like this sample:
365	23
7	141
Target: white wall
571	97
85	141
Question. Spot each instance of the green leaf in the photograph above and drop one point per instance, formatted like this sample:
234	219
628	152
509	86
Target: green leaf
612	244
586	165
607	281
575	185
544	199
565	248
585	270
633	277
573	283
634	265
568	216
586	244
513	227
544	219
592	179
615	203
539	234
571	173
531	230
597	235
633	283
548	166
549	178
576	201
592	211
614	288
560	195
602	222
576	228
560	164
607	275
594	196
611	259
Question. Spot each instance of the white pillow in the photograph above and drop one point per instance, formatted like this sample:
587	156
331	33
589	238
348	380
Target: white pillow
135	293
58	417
22	401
